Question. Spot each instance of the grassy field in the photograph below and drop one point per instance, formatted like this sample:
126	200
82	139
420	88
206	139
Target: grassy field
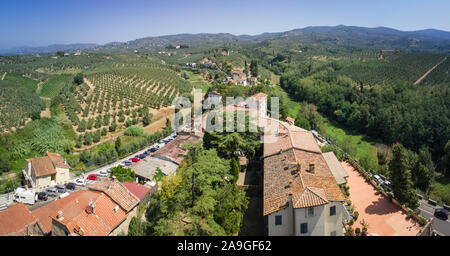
52	87
441	189
197	81
23	81
362	148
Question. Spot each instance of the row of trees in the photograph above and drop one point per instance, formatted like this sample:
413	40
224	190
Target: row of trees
408	171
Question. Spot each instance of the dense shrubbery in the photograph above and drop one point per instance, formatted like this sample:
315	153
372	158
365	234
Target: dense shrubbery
135	131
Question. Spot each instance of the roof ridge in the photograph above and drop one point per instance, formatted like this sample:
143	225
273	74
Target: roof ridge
309	188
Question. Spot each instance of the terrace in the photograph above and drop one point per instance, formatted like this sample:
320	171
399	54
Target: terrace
383	216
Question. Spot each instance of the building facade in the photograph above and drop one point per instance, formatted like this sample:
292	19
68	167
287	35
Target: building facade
47	171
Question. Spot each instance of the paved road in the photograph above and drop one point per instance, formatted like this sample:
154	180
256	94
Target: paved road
123	159
427	210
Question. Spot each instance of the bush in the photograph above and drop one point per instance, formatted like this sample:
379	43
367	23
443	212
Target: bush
355	215
123	174
357	230
422	221
135	131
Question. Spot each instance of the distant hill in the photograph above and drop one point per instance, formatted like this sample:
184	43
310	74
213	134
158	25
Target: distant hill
428	40
47	49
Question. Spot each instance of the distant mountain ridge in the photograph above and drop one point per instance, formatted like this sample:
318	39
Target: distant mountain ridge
427	40
47	49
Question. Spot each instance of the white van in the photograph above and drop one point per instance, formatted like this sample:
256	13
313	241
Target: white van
63	195
25	196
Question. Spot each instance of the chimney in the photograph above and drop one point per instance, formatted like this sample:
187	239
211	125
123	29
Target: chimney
116	208
60	215
299	166
90	208
311	167
292	164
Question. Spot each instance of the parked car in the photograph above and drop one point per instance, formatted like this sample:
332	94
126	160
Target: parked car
153	149
80	182
70	186
52	192
92	176
126	163
142	156
61	189
102	173
441	213
43	196
109	170
135	159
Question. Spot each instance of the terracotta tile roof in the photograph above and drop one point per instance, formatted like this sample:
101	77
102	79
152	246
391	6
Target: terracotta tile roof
58	160
104	218
259	96
309	197
117	192
46	165
287	170
137	189
174	150
71	206
290	120
17	220
336	168
42	166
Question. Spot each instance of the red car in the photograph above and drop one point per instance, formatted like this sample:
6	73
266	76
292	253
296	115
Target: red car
135	159
92	177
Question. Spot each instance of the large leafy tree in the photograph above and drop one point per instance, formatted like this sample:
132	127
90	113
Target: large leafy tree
423	169
199	199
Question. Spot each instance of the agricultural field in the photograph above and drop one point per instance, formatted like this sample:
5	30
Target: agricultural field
51	87
18	104
111	99
22	81
441	74
406	67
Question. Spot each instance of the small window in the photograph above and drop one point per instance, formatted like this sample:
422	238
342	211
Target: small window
310	211
303	228
333	233
332	210
278	220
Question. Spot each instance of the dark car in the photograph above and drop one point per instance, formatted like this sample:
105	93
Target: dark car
43	196
153	149
61	189
70	186
142	156
441	214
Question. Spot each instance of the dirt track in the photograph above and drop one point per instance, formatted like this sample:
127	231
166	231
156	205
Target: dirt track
429	71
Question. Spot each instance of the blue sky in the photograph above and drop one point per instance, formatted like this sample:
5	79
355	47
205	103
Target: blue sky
44	22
